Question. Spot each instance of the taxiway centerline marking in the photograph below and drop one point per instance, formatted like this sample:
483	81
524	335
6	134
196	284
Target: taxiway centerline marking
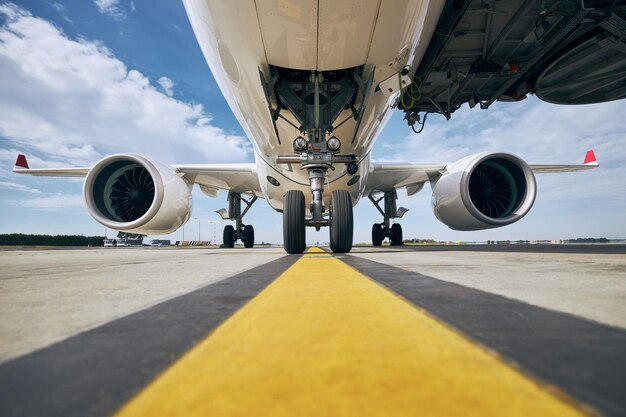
323	339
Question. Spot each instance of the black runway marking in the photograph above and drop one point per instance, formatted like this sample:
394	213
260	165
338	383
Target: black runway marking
96	372
585	359
596	249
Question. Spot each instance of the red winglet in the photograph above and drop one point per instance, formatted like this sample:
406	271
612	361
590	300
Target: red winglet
590	158
21	161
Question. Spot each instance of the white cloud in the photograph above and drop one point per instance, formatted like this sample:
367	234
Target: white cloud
73	101
56	202
540	133
11	11
110	8
167	85
13	186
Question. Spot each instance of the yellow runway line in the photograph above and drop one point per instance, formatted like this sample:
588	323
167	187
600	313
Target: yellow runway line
324	340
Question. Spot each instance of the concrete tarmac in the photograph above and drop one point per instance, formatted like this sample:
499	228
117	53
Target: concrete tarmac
102	323
586	280
49	295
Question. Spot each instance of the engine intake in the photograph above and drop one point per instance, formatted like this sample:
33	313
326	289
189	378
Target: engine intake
497	187
484	191
123	191
132	193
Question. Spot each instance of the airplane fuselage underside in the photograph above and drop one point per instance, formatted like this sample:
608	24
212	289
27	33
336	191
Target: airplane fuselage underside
269	64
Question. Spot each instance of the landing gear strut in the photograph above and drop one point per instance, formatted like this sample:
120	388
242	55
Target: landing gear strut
382	230
239	231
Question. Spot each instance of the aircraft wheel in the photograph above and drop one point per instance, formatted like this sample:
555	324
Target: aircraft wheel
396	235
248	236
341	222
229	236
294	222
377	234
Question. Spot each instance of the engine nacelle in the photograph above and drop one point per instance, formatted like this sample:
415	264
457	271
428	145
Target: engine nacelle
135	194
484	191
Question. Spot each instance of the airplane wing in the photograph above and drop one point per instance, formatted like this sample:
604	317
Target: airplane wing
387	176
590	162
240	178
21	167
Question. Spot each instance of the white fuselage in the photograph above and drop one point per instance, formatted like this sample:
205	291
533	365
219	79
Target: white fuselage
241	38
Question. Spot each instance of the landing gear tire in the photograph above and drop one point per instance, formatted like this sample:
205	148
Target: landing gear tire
248	236
229	236
378	235
341	222
294	222
396	235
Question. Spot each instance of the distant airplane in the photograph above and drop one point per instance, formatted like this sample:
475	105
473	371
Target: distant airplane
312	84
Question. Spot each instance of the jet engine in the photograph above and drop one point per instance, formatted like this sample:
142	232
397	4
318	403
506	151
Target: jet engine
484	191
135	194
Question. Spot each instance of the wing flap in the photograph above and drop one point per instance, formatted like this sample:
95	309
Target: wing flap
239	178
388	176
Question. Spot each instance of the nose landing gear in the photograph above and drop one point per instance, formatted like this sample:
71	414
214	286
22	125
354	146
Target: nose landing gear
340	218
316	99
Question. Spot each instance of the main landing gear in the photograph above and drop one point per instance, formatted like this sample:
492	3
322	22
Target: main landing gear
382	230
239	231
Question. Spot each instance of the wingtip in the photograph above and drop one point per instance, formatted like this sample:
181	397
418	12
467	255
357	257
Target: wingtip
590	158
21	162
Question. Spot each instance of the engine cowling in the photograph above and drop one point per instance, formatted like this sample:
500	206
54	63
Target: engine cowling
132	193
484	191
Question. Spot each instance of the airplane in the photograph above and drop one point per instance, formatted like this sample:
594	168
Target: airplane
312	84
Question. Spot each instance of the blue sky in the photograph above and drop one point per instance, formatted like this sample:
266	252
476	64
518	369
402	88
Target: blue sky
83	79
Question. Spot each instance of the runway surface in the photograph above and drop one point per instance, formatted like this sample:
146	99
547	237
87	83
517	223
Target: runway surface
385	331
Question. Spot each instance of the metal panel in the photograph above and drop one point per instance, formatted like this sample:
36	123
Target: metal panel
345	31
289	31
